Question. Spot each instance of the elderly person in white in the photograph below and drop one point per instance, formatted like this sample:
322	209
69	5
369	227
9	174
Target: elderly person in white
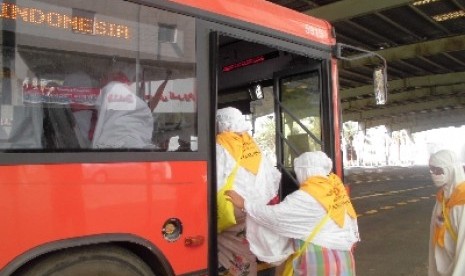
124	121
321	198
447	231
256	179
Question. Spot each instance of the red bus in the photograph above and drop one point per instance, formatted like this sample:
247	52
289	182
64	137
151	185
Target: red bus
91	179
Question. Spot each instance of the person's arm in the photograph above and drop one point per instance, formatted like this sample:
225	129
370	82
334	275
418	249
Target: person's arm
153	102
272	216
235	198
293	217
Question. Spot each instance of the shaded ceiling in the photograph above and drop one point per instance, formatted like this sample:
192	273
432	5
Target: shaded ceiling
424	45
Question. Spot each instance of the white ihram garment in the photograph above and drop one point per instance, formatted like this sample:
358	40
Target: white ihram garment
298	214
124	121
449	260
265	244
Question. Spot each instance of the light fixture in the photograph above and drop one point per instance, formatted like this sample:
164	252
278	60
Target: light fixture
423	2
449	15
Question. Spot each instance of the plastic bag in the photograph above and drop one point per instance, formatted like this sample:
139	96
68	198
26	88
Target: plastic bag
225	209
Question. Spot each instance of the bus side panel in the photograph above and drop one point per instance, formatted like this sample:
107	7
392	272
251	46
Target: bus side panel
44	203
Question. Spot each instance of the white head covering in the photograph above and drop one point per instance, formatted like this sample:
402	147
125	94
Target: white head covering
231	119
453	170
311	164
125	121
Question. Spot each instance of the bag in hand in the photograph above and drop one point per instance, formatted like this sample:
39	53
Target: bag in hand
225	209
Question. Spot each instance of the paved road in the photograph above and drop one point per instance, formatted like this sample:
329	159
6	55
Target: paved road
394	206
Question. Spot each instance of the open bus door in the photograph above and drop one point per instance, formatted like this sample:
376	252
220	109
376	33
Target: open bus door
283	90
302	118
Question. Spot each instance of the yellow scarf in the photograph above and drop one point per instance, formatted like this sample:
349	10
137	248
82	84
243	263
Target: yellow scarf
236	143
330	192
457	198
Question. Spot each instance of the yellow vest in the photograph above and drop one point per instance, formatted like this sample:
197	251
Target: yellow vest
330	192
457	198
236	143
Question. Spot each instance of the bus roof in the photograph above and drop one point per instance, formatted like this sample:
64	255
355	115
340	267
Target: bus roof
270	15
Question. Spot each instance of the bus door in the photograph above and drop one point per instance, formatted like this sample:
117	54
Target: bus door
298	105
278	87
280	92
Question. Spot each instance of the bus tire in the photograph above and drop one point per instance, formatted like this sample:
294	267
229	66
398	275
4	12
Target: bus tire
90	261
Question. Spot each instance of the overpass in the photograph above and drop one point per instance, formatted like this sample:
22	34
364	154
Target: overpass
424	45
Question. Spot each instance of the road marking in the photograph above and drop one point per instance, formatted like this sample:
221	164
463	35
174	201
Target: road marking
398	204
413	200
371	212
360	178
389	207
388	193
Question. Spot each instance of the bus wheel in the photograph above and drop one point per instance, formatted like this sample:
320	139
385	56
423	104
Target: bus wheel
90	261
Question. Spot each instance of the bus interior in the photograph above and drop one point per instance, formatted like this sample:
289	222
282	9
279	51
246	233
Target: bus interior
280	93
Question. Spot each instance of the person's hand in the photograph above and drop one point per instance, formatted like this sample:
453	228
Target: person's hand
235	199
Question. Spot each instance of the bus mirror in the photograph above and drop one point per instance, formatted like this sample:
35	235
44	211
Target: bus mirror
379	74
256	92
380	85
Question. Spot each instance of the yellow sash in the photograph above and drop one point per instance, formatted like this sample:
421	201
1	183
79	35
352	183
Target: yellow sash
332	195
236	143
457	198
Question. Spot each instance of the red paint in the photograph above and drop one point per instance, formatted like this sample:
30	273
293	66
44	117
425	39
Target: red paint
337	122
77	200
269	15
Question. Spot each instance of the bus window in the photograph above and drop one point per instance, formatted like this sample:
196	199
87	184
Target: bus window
301	122
264	123
115	78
